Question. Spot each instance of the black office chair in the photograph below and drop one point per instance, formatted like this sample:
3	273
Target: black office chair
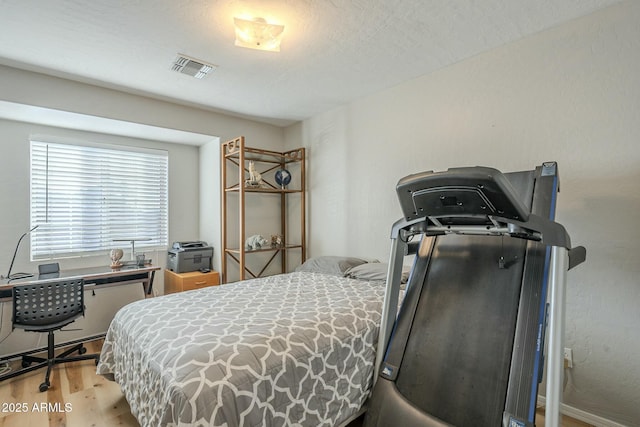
48	307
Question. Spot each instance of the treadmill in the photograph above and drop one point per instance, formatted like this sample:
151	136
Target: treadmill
467	345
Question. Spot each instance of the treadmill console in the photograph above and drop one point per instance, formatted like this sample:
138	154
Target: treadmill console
460	196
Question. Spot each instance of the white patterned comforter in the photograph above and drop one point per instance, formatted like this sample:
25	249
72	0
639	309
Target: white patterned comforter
293	349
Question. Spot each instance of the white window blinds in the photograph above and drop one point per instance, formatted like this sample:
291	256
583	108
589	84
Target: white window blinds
85	197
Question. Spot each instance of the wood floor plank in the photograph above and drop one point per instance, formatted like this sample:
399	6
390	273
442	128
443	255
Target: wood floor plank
73	374
89	413
55	398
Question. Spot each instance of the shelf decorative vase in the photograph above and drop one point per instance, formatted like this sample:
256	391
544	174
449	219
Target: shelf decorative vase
283	178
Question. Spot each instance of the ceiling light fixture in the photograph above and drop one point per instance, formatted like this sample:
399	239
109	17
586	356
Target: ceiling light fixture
258	34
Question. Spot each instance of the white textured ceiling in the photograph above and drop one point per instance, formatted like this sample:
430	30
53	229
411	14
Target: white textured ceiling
333	51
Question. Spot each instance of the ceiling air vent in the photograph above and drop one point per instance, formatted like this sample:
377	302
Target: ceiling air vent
192	67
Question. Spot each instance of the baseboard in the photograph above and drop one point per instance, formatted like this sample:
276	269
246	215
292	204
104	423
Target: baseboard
16	356
581	415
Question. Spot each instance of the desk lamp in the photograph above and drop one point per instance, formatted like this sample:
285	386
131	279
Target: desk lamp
16	276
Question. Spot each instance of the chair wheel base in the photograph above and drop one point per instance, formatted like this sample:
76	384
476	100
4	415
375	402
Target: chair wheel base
44	386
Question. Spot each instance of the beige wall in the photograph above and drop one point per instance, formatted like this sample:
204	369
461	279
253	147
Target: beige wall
570	94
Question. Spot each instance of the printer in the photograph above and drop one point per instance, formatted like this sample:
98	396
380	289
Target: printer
189	256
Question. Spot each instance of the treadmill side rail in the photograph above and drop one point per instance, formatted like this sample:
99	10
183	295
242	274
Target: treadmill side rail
557	297
391	298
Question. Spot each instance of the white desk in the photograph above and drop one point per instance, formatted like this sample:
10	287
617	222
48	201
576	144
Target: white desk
93	277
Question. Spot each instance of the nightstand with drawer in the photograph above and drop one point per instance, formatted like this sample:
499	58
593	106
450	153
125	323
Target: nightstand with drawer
178	282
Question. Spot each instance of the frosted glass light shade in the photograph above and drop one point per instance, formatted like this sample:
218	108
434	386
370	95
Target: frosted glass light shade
258	34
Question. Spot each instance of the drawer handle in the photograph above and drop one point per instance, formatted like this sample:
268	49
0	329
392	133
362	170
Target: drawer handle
204	282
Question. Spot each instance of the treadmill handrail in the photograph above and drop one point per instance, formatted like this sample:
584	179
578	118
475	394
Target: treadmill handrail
536	228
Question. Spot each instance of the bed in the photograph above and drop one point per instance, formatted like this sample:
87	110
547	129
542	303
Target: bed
292	349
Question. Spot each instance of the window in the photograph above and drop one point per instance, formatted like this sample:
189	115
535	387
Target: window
83	197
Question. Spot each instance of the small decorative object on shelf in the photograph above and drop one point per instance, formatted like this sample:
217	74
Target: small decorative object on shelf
255	179
116	256
283	178
276	241
255	242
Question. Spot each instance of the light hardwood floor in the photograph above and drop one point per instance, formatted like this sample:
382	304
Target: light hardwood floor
566	421
78	397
